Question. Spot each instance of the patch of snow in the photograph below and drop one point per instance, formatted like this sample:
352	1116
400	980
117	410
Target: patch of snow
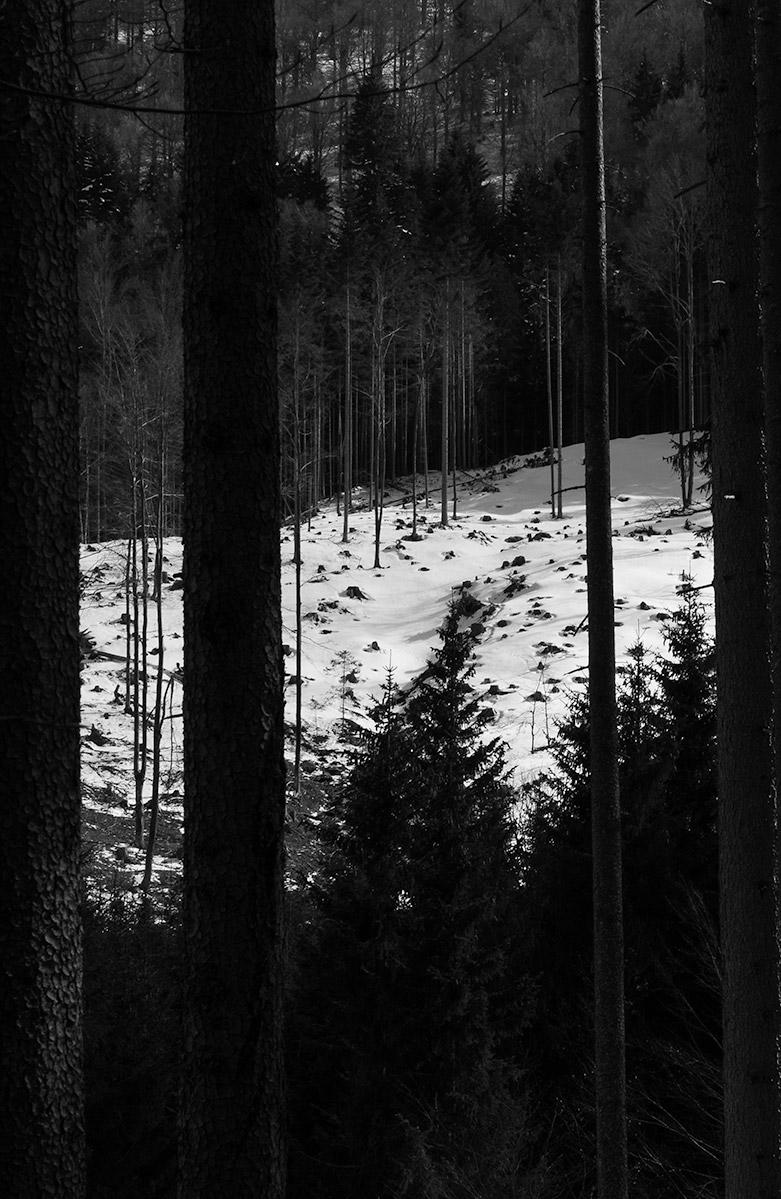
364	622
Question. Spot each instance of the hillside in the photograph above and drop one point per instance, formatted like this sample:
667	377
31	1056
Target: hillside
525	575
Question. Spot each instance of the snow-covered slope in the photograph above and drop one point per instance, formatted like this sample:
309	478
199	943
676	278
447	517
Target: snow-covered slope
525	573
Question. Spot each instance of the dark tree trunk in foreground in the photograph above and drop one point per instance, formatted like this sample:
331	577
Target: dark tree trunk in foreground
231	1140
746	800
768	57
606	814
41	1100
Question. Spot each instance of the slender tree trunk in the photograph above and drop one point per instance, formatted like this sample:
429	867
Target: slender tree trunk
405	425
681	378
140	648
316	462
690	352
232	1119
415	431
419	438
393	453
297	517
768	50
445	437
129	634
549	390
559	398
378	407
747	803
473	414
463	381
348	420
159	716
299	629
455	481
606	816
86	469
424	440
503	133
41	1092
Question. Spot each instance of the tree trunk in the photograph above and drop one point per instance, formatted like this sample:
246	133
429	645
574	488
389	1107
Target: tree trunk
681	377
140	592
378	410
549	390
768	57
747	831
41	1093
424	439
606	815
445	432
159	711
690	380
129	631
297	517
348	420
559	398
299	620
232	1121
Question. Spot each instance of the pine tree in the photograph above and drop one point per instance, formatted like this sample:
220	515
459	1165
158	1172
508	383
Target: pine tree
378	183
411	926
342	1029
666	733
688	690
466	864
645	94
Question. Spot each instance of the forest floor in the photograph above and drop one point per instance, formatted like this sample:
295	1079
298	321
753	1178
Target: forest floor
525	576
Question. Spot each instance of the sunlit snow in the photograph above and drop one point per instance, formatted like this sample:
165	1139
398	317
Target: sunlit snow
530	625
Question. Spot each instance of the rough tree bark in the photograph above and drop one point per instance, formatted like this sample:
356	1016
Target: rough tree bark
606	814
231	1131
746	801
41	1098
768	57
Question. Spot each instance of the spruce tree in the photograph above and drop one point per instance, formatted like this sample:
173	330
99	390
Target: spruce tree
378	178
407	993
666	734
688	689
465	877
645	89
346	963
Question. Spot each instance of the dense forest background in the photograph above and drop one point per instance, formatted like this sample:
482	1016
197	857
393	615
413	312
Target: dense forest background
430	293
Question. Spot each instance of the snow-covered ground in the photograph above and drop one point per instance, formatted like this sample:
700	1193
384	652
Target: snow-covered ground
525	571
